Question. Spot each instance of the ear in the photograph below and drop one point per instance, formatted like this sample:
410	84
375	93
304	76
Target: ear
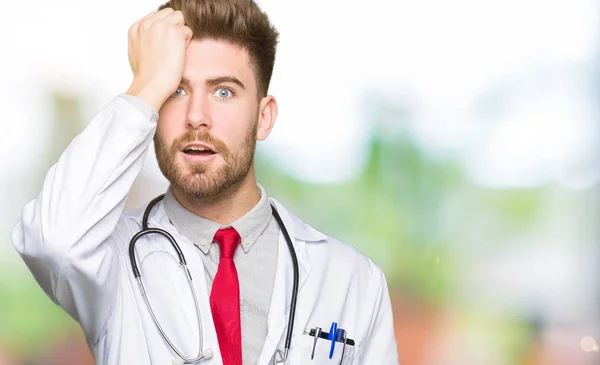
267	113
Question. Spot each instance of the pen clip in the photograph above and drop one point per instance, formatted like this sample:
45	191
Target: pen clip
316	334
344	340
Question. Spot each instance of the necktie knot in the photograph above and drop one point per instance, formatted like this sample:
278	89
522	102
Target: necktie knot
228	240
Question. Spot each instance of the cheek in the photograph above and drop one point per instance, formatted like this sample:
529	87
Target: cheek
169	125
239	118
235	128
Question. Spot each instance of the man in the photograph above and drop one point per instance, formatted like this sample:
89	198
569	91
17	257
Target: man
201	75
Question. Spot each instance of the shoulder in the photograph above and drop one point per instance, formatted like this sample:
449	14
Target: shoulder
327	252
352	256
133	217
130	222
341	259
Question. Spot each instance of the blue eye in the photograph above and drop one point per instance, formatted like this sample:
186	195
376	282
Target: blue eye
178	92
223	93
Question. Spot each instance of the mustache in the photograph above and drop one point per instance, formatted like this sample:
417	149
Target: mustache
199	136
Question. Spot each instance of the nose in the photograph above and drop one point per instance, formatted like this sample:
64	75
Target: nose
198	113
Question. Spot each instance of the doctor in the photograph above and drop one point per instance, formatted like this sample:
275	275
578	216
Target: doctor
200	93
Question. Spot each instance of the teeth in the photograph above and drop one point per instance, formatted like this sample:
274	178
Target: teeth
196	148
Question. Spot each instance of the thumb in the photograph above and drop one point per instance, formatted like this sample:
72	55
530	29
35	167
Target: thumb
188	35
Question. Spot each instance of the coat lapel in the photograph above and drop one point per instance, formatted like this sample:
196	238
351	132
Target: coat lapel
279	311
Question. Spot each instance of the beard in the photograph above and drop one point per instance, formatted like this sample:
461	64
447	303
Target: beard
198	179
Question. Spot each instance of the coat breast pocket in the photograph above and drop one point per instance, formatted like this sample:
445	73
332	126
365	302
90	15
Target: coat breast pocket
302	348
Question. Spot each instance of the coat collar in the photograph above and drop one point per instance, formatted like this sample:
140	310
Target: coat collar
279	312
295	226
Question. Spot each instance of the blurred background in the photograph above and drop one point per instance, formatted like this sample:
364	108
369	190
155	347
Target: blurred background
457	143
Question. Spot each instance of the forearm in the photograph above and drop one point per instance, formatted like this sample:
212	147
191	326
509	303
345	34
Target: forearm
63	231
93	175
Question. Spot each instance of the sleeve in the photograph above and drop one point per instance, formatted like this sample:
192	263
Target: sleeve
65	234
141	105
381	346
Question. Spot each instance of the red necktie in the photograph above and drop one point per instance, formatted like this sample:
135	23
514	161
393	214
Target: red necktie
225	299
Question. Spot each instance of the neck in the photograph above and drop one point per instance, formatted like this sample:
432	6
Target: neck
226	207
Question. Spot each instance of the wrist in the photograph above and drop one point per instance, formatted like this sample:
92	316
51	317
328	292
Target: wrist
153	96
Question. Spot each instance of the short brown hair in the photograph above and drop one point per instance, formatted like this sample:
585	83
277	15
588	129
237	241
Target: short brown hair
240	22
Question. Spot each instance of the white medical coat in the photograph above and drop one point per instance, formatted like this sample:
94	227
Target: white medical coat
74	237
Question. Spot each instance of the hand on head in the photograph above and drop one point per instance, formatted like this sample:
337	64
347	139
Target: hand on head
157	45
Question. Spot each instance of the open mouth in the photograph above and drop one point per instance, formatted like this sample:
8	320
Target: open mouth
198	151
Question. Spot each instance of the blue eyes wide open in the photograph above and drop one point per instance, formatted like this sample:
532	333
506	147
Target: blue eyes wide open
221	93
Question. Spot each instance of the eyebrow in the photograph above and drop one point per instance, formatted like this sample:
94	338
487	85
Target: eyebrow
218	80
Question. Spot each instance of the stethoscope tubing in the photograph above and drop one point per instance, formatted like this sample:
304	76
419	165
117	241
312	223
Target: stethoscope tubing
136	273
294	299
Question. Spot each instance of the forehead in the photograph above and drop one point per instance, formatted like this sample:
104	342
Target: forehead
209	58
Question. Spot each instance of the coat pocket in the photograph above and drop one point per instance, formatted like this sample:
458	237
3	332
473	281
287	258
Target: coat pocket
302	348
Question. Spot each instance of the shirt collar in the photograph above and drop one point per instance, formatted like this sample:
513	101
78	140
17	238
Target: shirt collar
201	231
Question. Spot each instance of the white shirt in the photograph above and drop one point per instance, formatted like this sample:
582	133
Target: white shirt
74	237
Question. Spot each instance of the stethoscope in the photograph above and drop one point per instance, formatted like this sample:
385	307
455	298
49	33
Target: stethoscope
280	357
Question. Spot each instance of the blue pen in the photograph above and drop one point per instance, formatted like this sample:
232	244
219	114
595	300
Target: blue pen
332	337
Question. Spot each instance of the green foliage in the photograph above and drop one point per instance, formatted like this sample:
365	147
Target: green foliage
392	211
408	211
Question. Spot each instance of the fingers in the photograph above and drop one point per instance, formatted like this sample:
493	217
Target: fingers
174	18
163	14
134	28
166	16
147	22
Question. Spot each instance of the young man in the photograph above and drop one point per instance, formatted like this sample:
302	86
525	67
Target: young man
201	74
